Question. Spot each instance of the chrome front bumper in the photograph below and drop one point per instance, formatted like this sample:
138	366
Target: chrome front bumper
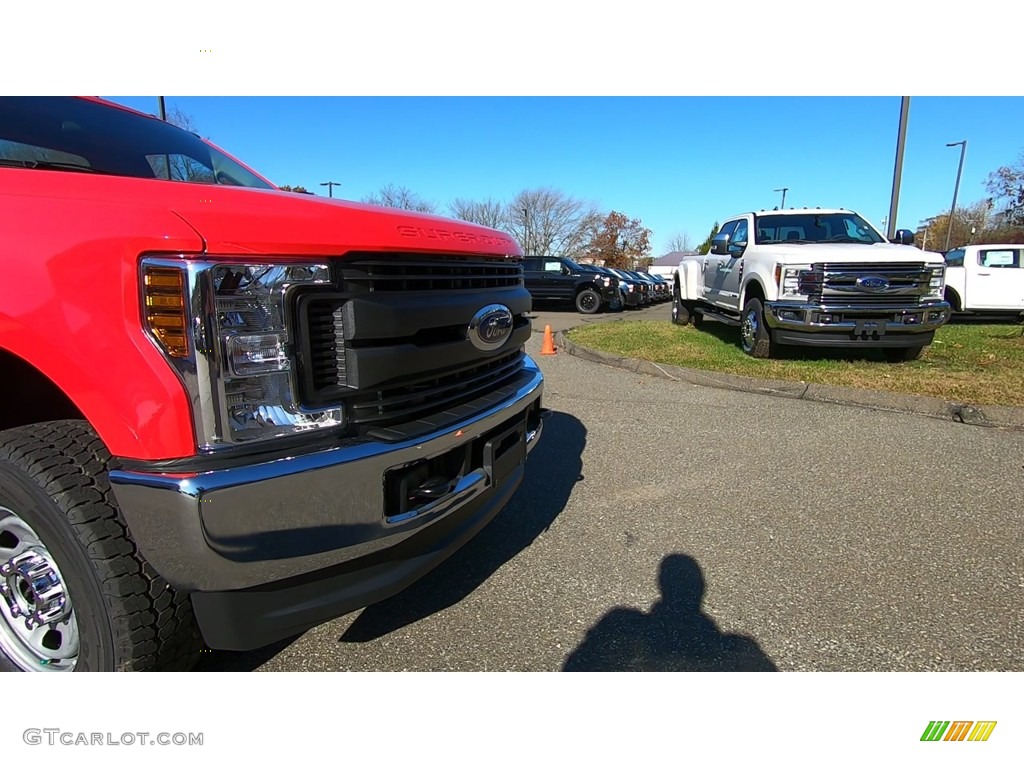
231	529
856	319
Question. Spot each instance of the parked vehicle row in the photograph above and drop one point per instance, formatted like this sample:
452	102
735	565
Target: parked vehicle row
591	288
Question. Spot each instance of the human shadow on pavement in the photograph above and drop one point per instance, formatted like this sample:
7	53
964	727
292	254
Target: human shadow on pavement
675	636
552	470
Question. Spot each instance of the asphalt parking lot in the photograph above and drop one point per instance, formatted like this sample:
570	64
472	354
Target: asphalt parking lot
668	526
561	319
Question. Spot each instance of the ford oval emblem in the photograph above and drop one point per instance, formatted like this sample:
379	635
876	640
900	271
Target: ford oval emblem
872	283
490	327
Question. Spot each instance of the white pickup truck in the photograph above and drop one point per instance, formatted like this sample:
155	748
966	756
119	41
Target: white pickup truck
814	277
986	279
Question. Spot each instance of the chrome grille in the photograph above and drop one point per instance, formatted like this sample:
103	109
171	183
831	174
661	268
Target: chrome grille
831	283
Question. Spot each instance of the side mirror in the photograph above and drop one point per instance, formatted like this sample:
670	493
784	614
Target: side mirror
720	245
904	237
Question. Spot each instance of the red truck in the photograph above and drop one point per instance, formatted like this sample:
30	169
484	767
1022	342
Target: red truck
230	412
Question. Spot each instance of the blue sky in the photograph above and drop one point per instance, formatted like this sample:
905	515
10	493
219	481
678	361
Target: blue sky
677	163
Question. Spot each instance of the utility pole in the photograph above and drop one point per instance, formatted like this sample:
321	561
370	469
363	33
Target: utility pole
330	187
898	170
956	189
783	190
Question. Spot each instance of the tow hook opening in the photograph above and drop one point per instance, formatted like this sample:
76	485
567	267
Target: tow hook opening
430	485
406	489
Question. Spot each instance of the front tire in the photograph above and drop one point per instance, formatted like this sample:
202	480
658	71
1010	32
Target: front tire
680	312
75	593
755	338
588	301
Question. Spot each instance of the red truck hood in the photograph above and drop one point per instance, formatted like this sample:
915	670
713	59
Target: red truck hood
240	221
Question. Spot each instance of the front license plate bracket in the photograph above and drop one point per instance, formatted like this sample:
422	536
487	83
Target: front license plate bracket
504	452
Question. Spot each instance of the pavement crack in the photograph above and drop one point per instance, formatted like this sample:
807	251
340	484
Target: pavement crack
674	378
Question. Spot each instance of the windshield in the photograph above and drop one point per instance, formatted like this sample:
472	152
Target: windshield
82	136
811	227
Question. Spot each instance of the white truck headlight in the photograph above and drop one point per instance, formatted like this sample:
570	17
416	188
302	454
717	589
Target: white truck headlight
936	286
789	280
233	350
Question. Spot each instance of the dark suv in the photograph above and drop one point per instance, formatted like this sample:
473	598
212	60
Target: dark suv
556	279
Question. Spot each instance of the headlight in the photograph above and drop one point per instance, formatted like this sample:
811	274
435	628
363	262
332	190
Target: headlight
936	284
792	280
259	389
235	356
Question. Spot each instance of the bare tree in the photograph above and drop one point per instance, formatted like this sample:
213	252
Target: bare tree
181	167
1006	186
487	213
547	222
391	196
680	241
185	121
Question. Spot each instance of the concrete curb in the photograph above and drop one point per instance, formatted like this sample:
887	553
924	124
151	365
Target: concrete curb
1005	417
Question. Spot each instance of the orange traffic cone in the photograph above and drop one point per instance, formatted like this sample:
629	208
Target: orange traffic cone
548	348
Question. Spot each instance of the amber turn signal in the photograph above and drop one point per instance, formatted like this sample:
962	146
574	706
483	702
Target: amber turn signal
165	308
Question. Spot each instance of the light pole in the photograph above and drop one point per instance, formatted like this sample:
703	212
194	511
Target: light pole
163	108
901	141
956	189
783	190
330	187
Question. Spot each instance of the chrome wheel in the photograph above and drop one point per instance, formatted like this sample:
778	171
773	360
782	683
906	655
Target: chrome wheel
38	629
749	329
